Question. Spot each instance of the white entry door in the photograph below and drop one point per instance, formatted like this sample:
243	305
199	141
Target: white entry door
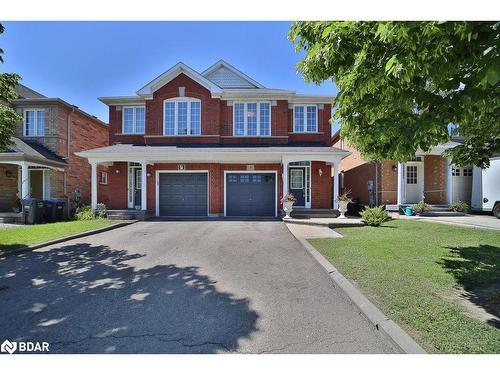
414	182
461	184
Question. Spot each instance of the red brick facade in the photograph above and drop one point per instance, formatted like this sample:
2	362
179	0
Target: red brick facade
216	130
118	176
67	130
357	172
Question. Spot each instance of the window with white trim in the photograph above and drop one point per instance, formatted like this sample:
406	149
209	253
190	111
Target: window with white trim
133	120
182	116
34	122
252	119
305	118
103	178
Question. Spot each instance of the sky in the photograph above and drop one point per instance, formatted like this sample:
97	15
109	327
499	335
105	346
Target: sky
81	61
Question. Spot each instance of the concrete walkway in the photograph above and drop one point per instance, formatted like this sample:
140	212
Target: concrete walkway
471	221
181	287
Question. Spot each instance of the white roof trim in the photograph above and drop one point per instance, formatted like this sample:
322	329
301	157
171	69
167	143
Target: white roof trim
173	72
222	63
122	100
122	152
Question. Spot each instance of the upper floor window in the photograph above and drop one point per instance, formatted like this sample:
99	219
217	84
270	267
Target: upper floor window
305	118
133	120
34	122
252	119
182	116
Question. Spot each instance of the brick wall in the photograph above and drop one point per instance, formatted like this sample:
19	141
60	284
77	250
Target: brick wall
321	186
86	133
435	171
388	182
356	173
118	183
53	117
216	120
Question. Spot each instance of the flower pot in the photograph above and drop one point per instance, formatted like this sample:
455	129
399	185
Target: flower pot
288	208
343	208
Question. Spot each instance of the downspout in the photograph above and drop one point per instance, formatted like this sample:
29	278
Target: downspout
376	183
69	121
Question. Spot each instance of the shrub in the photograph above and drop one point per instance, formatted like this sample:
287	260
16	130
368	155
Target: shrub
84	213
101	211
421	207
459	206
374	216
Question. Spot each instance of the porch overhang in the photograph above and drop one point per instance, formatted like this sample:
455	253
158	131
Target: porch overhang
229	155
31	154
439	149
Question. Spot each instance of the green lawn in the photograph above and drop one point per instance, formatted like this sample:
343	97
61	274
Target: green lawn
414	270
13	238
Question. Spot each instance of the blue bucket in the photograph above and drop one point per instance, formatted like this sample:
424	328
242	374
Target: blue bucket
408	211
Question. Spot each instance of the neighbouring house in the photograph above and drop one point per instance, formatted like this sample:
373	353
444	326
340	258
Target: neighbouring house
216	143
41	162
430	176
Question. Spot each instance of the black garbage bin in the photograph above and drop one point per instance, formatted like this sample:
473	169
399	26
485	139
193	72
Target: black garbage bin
32	210
48	211
353	208
59	211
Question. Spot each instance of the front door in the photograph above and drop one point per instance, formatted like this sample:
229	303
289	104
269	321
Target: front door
137	186
36	183
297	185
462	184
414	182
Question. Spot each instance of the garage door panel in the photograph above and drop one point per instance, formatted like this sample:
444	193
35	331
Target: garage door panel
250	194
183	194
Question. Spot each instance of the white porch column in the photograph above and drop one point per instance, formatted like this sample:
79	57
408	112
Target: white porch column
449	182
144	186
400	183
336	174
285	177
93	185
25	183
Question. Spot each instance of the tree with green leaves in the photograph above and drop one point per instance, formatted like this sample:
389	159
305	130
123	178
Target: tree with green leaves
402	84
8	117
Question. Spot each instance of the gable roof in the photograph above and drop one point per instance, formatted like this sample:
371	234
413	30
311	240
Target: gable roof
25	92
228	77
173	72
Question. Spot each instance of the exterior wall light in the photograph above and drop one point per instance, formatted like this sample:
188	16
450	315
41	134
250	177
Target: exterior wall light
320	171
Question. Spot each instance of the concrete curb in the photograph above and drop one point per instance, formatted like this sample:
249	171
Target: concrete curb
22	250
393	332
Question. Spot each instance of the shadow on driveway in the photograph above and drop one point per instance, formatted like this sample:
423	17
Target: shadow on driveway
90	299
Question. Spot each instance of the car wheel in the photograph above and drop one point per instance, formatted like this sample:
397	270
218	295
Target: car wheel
496	210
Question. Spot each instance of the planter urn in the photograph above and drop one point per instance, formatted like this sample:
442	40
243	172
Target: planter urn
343	208
288	208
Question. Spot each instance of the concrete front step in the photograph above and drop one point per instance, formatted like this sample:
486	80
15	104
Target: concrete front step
126	214
306	213
442	213
11	217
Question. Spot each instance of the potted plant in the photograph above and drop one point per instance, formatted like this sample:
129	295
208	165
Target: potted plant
421	207
343	200
288	200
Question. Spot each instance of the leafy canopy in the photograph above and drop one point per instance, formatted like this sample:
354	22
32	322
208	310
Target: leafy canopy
8	117
402	84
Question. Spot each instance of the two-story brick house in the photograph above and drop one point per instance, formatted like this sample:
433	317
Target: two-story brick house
41	163
216	143
430	176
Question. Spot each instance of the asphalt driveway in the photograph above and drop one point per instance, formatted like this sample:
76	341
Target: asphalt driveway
180	287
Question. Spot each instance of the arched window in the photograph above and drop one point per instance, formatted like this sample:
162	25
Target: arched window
182	116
